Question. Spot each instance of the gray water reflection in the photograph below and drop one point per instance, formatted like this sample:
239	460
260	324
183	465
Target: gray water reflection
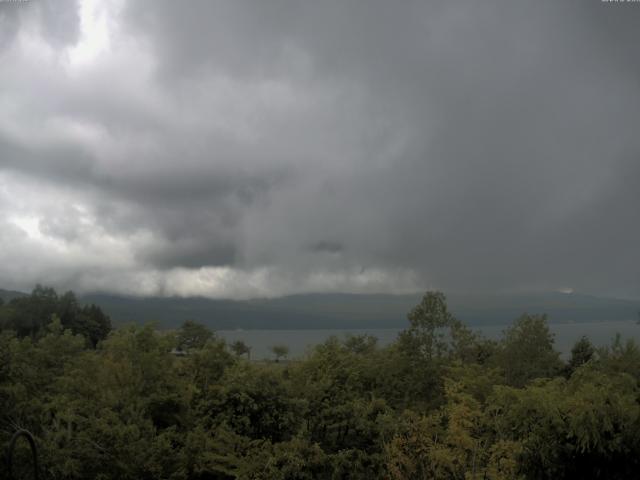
300	341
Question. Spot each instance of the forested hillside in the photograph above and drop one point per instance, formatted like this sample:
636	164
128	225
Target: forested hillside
439	403
7	295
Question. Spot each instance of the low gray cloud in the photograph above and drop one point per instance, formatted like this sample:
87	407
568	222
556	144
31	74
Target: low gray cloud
223	149
57	21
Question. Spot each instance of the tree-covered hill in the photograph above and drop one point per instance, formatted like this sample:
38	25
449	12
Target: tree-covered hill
7	295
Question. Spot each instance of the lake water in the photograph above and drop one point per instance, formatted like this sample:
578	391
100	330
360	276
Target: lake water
300	341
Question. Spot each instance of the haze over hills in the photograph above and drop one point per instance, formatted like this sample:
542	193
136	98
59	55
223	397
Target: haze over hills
7	295
315	311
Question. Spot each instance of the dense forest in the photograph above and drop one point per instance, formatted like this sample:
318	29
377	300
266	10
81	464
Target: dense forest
441	402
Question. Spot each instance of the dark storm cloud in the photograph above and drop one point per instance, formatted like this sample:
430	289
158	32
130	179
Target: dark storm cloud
188	207
327	247
358	145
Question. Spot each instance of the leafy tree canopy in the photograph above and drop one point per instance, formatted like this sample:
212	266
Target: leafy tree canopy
439	403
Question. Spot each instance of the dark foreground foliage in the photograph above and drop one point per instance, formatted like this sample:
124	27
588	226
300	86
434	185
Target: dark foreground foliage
30	315
439	403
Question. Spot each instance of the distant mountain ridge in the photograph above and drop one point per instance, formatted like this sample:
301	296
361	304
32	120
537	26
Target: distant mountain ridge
352	311
7	295
331	311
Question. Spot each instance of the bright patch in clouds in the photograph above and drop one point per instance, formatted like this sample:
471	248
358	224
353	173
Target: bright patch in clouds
94	33
29	225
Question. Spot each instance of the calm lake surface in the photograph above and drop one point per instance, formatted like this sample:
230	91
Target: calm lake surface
300	341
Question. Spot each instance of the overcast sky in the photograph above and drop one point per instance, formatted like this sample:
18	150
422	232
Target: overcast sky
241	149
